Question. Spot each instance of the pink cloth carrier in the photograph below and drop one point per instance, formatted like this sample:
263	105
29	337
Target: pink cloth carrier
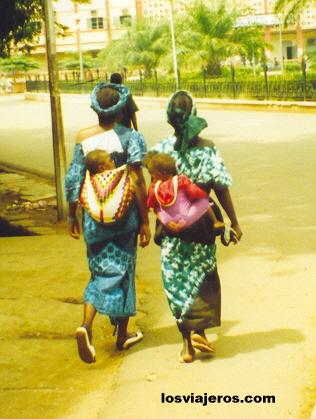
182	210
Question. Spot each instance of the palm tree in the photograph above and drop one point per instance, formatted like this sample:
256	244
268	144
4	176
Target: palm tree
211	35
141	47
290	8
147	44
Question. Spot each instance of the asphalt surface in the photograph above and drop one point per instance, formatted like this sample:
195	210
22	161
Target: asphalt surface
26	142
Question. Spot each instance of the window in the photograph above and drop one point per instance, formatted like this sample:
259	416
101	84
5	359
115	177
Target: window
94	23
126	20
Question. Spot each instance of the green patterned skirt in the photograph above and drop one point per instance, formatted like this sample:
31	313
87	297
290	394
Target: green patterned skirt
191	282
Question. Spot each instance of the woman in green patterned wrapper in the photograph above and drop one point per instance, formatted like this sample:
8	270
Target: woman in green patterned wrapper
189	271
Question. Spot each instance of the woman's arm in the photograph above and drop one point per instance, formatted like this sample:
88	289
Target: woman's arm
73	181
224	197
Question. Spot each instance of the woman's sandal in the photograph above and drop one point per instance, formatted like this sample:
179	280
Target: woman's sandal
137	337
85	349
198	342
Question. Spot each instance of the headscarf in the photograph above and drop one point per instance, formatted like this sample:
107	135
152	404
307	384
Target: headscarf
187	126
112	110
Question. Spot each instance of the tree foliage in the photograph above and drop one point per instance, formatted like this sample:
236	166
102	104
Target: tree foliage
206	36
18	64
18	23
291	8
71	62
21	23
209	32
142	47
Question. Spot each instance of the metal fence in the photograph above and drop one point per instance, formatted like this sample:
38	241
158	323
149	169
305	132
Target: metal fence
300	90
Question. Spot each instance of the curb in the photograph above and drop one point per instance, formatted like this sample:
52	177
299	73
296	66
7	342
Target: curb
205	102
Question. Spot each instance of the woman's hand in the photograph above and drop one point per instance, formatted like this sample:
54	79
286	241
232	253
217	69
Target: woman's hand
144	235
74	227
236	233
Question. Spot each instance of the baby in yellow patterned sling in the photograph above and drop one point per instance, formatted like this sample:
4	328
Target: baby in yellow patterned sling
107	191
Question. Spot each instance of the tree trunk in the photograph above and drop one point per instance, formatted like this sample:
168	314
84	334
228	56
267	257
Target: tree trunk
213	68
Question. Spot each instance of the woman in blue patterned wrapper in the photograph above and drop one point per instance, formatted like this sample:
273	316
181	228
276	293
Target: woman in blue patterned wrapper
189	271
111	249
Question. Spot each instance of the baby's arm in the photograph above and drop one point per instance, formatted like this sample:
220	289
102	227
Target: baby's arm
192	190
139	185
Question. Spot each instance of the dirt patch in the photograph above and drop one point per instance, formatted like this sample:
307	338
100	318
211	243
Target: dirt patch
26	209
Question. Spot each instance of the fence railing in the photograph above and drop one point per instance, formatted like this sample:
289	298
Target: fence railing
299	90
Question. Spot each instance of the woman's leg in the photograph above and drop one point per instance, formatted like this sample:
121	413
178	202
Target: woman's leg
84	335
124	339
122	331
187	353
89	313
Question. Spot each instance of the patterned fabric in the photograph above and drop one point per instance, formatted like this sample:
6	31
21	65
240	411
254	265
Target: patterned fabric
134	149
111	249
203	165
107	196
112	110
186	265
186	126
111	289
183	271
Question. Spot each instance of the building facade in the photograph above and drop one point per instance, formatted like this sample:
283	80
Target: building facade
91	26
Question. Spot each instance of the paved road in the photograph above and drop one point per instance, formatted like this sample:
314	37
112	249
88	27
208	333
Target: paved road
25	133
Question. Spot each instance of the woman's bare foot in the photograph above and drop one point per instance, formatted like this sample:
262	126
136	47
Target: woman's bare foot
187	358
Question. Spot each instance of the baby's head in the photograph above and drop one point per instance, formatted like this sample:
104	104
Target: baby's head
161	166
98	161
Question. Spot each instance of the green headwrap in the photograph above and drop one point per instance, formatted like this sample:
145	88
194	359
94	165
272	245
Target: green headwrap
187	126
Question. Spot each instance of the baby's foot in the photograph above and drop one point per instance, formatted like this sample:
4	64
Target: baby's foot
218	225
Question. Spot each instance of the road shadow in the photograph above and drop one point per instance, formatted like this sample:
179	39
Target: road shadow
230	346
227	346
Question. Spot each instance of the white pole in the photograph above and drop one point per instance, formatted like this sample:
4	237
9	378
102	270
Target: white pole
280	40
78	36
253	59
173	42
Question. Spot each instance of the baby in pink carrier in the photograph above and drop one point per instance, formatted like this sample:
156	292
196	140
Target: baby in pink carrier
176	200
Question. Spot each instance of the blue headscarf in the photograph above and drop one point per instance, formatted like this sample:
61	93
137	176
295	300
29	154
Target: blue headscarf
187	126
112	110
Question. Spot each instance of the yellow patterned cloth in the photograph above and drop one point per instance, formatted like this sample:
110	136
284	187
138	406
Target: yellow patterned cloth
107	196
